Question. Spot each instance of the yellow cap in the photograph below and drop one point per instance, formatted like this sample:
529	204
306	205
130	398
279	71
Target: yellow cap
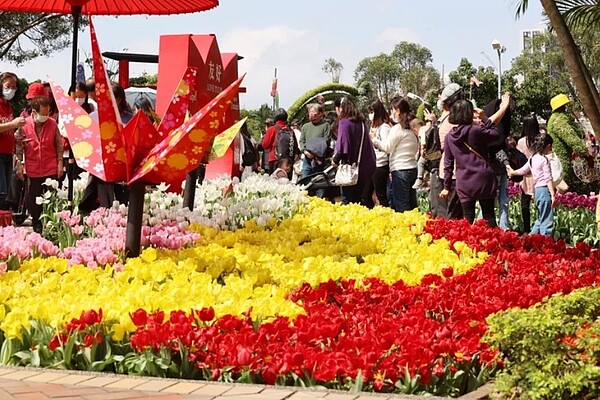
558	101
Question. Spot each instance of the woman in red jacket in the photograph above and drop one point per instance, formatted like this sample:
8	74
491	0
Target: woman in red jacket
8	125
41	143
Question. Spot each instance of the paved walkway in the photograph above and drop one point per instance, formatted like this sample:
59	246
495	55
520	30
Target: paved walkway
43	384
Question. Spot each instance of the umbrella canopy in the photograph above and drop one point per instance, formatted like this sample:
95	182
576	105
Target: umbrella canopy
102	7
132	93
109	7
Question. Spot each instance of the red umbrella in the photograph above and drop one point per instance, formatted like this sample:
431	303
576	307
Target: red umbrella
103	7
109	7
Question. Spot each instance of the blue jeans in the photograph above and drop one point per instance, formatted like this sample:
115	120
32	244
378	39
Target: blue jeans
503	201
543	202
307	169
6	167
405	197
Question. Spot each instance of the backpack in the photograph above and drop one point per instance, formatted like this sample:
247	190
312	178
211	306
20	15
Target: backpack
516	159
433	144
249	156
284	143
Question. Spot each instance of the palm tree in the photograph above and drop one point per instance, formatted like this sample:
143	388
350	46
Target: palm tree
582	13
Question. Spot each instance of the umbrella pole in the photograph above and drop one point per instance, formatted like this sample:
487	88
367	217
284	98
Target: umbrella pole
76	14
133	235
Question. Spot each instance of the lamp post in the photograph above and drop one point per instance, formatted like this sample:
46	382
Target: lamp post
499	49
415	97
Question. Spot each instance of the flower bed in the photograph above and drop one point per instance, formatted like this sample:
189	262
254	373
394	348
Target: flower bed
574	216
273	289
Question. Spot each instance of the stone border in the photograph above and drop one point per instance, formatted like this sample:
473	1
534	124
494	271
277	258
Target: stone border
203	388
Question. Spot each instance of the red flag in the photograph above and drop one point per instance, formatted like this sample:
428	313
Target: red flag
274	88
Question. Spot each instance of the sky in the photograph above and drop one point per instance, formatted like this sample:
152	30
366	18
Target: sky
297	37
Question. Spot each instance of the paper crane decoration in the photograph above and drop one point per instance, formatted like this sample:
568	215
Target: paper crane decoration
139	152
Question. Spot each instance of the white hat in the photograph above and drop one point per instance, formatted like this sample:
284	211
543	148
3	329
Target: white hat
450	91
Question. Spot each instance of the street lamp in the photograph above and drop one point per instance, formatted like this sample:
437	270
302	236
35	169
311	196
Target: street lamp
415	97
499	49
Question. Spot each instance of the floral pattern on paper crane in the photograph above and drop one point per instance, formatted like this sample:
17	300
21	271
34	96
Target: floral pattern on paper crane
181	147
82	131
178	107
224	139
140	151
113	157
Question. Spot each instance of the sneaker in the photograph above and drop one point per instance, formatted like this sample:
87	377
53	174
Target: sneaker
418	184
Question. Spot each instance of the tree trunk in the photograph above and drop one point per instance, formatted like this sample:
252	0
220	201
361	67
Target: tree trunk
578	70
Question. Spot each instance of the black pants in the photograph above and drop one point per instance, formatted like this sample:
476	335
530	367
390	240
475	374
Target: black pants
487	209
379	185
352	194
449	208
526	212
37	189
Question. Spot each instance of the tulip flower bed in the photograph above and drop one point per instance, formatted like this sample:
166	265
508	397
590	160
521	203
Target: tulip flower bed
574	216
270	288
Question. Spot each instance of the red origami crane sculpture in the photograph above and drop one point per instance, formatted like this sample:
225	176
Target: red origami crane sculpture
140	152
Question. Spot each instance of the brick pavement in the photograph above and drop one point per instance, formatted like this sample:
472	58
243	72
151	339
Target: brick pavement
43	384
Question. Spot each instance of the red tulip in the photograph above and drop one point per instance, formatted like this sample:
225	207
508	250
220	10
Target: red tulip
207	314
139	317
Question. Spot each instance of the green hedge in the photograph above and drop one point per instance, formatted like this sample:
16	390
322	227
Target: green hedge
330	91
551	350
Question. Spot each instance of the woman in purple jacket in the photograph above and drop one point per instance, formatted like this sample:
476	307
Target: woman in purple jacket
351	131
467	146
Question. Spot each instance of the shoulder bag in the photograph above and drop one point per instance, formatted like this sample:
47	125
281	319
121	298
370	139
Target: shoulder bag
347	174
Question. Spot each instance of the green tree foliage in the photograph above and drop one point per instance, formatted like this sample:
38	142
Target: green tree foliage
381	72
483	94
582	13
408	68
536	76
20	103
144	80
588	40
564	17
256	120
333	68
25	36
417	74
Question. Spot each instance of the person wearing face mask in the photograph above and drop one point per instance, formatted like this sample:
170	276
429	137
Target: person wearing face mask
402	145
40	142
8	125
317	127
380	129
82	98
35	89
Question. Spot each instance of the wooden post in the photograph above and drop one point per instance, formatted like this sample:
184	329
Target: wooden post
189	192
191	179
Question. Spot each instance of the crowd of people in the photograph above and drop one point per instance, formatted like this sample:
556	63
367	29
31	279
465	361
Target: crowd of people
476	156
468	154
34	145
